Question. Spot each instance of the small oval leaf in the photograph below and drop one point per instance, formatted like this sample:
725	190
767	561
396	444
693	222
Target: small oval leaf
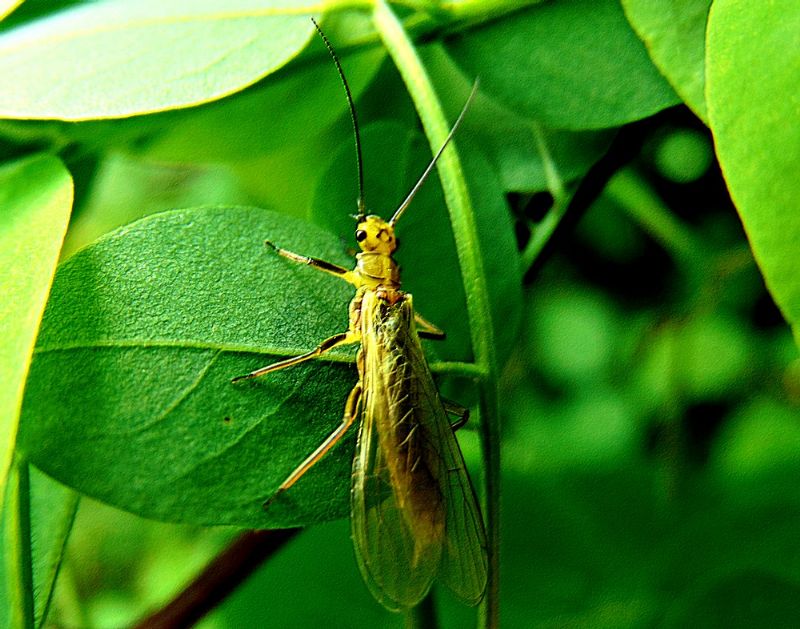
130	397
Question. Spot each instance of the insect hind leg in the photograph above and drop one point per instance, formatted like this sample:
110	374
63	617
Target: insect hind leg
426	329
461	413
350	413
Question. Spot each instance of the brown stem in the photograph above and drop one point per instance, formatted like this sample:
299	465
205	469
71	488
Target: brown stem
221	577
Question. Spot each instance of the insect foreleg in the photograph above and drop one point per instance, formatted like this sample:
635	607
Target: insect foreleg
337	339
461	413
316	263
350	413
426	329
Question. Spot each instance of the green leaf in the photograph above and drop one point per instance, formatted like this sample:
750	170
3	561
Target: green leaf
674	32
52	512
751	72
508	139
53	509
118	58
140	340
17	584
499	246
572	64
35	204
35	532
27	10
229	130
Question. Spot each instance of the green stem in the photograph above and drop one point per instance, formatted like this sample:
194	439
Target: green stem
644	206
17	541
462	218
555	185
451	175
423	616
454	368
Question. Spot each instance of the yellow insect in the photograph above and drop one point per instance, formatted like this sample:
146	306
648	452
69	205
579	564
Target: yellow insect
414	512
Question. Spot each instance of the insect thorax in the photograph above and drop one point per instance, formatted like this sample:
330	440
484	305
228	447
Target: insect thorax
377	269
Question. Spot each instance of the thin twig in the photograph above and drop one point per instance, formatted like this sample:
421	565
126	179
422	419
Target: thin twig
221	577
625	147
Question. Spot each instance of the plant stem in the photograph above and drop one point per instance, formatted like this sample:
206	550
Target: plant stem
423	616
454	185
462	218
19	566
555	185
643	205
464	370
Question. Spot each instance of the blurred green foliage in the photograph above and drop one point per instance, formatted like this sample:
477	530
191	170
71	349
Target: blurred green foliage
648	383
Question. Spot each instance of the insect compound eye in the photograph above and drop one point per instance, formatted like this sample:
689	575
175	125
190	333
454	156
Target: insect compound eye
361	235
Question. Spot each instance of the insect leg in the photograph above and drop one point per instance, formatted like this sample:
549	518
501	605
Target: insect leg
337	339
316	263
426	329
461	413
350	413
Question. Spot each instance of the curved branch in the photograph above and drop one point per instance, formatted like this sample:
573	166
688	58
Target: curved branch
221	577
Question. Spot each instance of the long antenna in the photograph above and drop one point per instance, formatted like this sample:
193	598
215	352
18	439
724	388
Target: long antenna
398	213
359	160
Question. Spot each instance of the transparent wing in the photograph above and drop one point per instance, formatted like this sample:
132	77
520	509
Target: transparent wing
397	508
465	564
414	511
397	571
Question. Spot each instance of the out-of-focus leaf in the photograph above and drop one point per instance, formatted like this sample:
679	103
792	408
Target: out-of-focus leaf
752	76
521	150
7	6
684	155
317	573
674	32
35	204
52	512
701	358
752	598
278	113
53	508
762	438
117	58
572	64
126	188
573	335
